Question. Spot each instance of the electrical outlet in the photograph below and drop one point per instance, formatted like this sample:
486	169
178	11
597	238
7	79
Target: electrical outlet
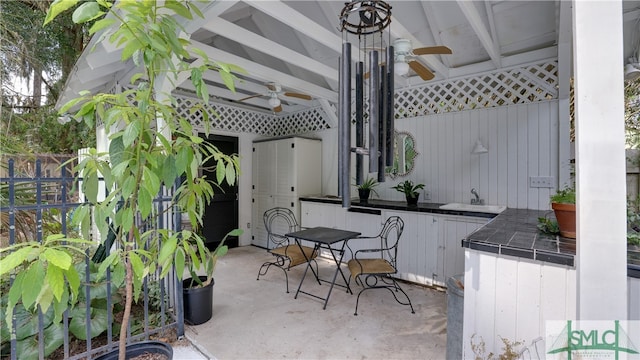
427	195
541	181
248	225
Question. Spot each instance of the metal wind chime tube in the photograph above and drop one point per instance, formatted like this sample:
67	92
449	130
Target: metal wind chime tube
382	122
359	121
374	113
344	127
389	116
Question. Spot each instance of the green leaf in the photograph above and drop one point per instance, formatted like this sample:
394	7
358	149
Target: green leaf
137	265
98	323
14	259
179	8
220	171
53	338
179	262
145	202
45	297
90	186
231	173
130	134
151	181
55	279
132	46
58	258
86	12
59	307
169	171
73	280
228	80
167	249
58	7
32	284
127	219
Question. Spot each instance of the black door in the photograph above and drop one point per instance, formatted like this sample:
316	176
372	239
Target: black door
221	215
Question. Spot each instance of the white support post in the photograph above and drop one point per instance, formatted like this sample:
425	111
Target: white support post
601	259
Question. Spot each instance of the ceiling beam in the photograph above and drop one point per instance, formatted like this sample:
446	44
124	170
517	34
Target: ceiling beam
300	22
257	42
434	25
266	74
475	20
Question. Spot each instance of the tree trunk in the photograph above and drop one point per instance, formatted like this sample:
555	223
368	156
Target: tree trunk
128	299
36	100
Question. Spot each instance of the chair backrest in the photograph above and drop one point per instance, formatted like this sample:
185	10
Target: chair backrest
389	238
279	221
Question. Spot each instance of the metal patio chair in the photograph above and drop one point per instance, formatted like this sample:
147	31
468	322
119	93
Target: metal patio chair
372	268
279	221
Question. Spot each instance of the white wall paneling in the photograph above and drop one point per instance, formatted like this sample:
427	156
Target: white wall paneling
634	299
522	142
516	298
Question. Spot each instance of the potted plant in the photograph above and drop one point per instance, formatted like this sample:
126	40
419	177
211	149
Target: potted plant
365	189
151	145
563	204
197	291
410	191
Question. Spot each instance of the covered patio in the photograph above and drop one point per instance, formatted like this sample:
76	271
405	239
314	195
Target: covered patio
259	320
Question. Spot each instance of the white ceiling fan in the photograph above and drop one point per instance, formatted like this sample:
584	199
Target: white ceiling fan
273	91
405	55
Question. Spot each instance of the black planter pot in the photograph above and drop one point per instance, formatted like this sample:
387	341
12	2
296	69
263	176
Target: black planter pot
198	302
364	194
133	350
412	201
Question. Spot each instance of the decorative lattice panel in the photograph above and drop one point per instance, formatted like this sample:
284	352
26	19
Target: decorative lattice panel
242	120
520	85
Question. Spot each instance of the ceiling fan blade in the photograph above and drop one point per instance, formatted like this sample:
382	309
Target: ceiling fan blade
277	108
251	97
422	71
298	95
432	50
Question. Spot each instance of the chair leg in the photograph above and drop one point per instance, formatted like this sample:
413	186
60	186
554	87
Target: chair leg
391	287
278	263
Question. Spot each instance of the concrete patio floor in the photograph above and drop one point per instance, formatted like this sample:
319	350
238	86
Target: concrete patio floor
259	320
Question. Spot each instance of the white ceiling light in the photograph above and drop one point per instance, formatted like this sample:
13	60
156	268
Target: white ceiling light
274	102
400	67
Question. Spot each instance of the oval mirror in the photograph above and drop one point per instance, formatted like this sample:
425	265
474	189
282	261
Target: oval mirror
403	156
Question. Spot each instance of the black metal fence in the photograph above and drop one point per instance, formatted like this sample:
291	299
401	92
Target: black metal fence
32	208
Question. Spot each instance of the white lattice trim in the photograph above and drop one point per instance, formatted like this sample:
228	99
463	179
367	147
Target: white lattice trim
524	84
242	120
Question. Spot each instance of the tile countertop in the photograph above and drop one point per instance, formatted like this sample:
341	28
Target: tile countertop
514	232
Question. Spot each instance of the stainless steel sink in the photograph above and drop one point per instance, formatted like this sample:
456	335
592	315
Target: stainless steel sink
492	209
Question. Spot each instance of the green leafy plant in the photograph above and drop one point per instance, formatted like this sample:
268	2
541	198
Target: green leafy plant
548	226
211	257
564	196
151	144
368	184
408	188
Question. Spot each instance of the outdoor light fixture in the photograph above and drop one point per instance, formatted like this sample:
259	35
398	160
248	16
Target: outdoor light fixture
274	102
479	148
401	66
366	19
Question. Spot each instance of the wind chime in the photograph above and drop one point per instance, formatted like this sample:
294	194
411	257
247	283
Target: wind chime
367	20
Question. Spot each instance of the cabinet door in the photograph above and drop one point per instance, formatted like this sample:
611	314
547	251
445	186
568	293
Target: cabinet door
258	232
418	243
264	167
451	252
285	167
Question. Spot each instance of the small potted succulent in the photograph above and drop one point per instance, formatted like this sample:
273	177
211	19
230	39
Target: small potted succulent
365	189
410	191
563	204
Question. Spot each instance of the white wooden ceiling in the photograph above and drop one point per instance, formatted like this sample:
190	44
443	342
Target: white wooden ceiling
297	44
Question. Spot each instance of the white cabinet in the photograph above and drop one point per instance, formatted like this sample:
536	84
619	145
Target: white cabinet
283	170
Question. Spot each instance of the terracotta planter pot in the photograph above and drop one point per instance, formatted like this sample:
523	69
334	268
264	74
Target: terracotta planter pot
566	216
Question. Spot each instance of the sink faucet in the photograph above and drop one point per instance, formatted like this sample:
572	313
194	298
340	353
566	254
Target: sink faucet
477	200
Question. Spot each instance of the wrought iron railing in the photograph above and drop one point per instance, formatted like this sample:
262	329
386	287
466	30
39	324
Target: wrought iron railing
29	213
